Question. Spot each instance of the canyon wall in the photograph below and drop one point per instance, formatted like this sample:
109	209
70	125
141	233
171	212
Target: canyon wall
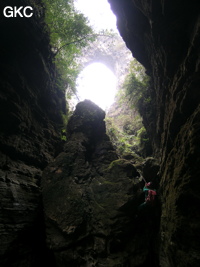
30	117
164	36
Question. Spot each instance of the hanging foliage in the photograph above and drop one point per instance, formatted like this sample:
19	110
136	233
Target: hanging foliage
69	33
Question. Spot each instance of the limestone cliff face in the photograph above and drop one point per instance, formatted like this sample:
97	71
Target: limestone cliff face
164	36
29	138
91	200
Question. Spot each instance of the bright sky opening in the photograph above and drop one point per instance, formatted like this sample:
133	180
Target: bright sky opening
98	13
97	83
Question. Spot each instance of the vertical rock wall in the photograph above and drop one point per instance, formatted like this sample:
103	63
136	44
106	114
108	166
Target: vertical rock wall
165	36
30	113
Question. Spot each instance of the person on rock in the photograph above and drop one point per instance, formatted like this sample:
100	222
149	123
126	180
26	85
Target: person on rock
150	195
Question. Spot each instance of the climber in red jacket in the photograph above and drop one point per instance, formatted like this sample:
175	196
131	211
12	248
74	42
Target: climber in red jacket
149	195
150	198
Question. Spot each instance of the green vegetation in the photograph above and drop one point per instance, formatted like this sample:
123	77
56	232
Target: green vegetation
115	163
124	125
63	135
135	86
125	142
69	33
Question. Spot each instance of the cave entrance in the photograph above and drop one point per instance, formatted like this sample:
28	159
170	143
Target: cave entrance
97	83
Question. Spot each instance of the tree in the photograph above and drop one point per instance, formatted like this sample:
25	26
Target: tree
69	33
136	83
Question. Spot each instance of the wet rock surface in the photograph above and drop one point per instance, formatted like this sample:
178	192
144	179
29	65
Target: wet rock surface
91	199
29	135
164	37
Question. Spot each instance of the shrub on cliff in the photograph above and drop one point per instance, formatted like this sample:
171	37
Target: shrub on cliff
136	84
126	130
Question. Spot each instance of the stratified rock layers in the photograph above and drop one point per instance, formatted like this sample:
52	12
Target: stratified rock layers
30	111
164	36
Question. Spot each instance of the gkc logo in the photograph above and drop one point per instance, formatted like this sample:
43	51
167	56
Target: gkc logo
13	12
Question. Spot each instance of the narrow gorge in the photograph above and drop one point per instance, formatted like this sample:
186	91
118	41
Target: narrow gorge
75	202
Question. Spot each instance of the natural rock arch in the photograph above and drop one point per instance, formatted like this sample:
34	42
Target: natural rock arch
109	51
106	60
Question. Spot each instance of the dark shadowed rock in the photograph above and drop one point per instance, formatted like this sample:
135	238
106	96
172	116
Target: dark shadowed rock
88	118
164	36
91	198
150	171
30	111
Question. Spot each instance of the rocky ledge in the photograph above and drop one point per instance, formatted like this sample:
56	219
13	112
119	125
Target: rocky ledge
91	199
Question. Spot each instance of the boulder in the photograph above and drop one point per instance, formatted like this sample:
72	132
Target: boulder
91	197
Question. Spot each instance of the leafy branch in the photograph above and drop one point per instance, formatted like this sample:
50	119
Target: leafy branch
69	33
91	37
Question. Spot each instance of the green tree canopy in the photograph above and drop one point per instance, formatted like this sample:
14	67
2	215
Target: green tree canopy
69	33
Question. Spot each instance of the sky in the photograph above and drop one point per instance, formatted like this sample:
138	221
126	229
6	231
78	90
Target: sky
98	12
97	82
